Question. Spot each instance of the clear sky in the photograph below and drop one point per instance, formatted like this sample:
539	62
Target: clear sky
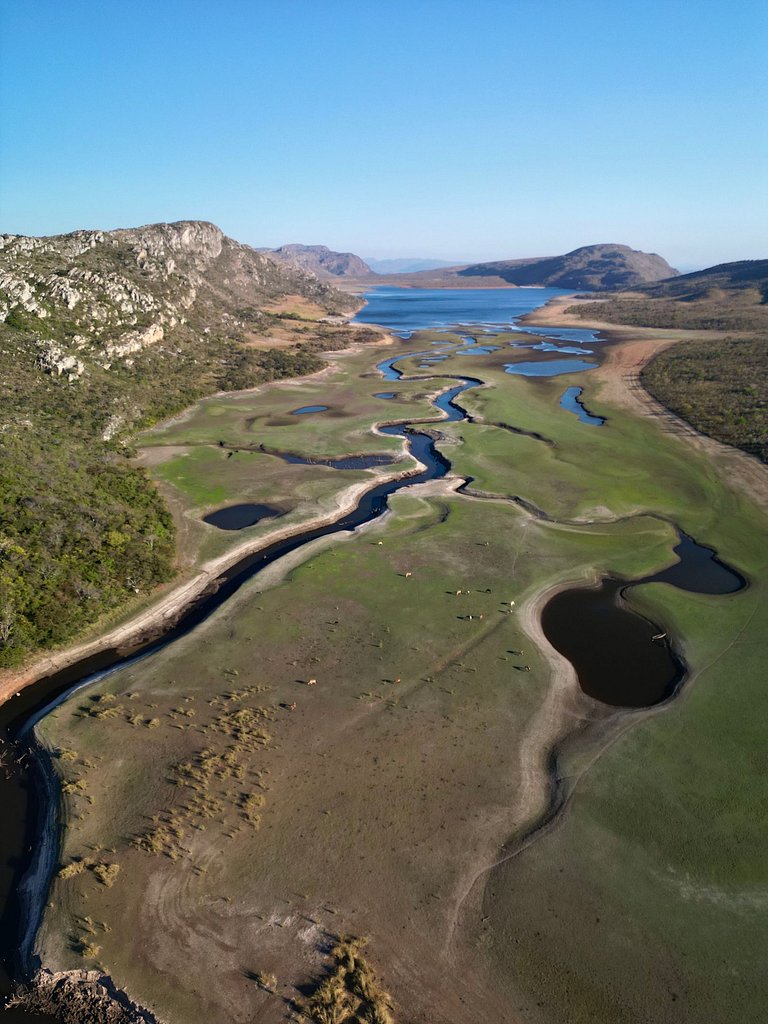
464	130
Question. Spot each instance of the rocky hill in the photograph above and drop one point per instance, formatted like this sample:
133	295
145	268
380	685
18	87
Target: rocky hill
592	267
743	276
406	264
320	260
102	332
96	297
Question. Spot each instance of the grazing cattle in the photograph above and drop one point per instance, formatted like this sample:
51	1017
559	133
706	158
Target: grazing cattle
311	682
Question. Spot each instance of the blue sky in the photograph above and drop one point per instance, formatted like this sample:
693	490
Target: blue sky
472	130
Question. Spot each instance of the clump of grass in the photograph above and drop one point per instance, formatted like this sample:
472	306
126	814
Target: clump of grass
162	839
73	786
89	950
350	993
65	754
75	867
266	981
106	873
250	804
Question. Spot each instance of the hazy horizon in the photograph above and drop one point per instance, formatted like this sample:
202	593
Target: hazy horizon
499	131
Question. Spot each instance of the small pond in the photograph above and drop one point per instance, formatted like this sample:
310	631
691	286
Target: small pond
622	658
239	517
549	369
305	409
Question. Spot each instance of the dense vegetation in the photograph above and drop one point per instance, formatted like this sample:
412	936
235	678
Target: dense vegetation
736	313
82	530
720	387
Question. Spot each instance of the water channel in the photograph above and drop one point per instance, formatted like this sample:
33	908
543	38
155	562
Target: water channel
29	802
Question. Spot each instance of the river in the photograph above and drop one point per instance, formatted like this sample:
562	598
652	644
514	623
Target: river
24	795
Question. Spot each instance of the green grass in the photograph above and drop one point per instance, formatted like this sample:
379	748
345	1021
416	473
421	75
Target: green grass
400	771
264	417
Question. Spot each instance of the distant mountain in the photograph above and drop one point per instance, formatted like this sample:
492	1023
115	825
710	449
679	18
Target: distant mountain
592	267
741	276
406	265
320	260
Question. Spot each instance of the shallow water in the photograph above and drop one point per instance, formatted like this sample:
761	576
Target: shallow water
571	401
306	409
551	368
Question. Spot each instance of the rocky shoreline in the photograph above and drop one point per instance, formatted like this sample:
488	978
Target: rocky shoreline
79	997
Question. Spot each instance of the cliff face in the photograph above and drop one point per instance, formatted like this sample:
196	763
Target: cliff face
322	261
101	296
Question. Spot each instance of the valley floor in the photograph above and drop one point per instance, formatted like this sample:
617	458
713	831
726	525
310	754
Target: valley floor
371	739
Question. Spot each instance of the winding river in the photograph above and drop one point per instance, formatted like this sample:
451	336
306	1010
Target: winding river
28	790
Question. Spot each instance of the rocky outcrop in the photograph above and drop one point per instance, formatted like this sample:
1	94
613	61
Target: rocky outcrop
79	997
96	299
57	362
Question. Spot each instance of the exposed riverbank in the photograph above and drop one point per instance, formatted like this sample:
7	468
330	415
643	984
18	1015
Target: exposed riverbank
525	774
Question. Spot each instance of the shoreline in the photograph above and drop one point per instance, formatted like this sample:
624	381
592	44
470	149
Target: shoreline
542	788
628	350
180	593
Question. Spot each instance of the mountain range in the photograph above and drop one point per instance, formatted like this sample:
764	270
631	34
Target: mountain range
591	267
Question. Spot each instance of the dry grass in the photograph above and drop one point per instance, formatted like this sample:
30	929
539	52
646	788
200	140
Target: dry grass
350	993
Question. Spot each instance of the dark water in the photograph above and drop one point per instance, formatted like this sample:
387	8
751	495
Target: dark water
698	570
26	813
238	517
620	657
343	461
571	401
549	368
25	810
610	647
386	395
305	409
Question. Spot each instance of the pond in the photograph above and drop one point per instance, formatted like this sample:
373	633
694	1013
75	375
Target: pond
552	368
306	409
239	517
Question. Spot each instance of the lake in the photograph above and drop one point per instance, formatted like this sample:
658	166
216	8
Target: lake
416	309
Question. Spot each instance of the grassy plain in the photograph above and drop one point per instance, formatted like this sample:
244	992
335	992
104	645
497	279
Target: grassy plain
390	801
219	452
